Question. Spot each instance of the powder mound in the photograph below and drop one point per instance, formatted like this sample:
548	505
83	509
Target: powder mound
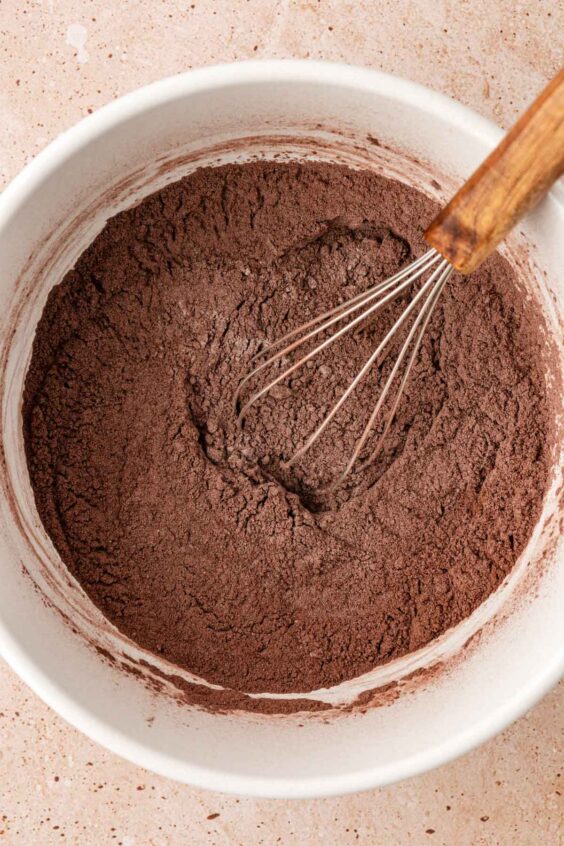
190	535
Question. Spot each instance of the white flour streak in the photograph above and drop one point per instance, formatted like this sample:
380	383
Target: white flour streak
76	37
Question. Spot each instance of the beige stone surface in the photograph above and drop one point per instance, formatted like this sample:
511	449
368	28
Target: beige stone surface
61	59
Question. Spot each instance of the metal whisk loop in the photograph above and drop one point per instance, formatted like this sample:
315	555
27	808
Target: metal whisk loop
364	370
368	303
335	315
419	326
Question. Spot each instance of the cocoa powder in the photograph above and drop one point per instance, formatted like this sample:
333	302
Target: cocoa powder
191	536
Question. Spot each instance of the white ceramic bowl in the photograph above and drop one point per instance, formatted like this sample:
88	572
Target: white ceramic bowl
47	626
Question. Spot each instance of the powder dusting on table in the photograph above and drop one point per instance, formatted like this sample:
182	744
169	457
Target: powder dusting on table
190	535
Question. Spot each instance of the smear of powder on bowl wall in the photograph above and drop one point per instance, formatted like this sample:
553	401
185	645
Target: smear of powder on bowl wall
191	536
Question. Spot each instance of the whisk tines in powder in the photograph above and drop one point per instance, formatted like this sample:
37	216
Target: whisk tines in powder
508	184
356	311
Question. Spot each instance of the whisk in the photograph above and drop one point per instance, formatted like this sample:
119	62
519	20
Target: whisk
510	182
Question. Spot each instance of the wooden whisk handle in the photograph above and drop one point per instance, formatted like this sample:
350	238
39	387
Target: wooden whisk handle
509	183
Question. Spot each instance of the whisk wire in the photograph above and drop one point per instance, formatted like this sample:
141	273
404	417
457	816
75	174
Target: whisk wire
351	306
428	259
369	303
419	327
367	365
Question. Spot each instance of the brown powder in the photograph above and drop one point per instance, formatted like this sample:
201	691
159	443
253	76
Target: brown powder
190	536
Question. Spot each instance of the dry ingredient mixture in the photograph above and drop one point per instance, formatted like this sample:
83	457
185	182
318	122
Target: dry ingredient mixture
190	535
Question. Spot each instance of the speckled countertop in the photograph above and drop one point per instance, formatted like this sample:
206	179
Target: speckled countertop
61	60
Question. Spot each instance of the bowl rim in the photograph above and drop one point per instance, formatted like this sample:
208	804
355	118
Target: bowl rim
52	693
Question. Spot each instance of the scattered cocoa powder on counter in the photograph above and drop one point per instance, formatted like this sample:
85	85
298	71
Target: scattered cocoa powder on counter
190	535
